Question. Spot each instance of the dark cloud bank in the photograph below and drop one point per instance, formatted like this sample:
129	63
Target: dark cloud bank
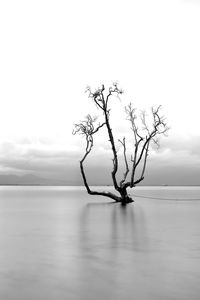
177	162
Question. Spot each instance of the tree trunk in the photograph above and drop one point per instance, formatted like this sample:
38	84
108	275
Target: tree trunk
125	198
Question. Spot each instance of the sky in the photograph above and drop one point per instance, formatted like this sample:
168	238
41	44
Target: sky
51	50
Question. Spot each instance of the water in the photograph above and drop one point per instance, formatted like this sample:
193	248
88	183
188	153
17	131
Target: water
60	243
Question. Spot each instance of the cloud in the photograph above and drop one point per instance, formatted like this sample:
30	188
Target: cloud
33	157
177	157
181	149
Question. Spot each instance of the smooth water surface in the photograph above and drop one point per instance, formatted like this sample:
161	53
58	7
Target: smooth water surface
60	243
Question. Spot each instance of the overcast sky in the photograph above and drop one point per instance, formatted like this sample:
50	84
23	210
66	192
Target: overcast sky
51	50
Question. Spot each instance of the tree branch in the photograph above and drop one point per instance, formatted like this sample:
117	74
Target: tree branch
131	116
125	160
102	102
87	128
158	127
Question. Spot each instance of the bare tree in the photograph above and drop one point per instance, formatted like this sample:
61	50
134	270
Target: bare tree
143	136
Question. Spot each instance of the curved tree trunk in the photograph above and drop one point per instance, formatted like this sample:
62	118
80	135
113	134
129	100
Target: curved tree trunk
124	198
106	194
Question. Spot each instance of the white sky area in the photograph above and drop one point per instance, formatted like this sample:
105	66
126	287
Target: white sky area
51	50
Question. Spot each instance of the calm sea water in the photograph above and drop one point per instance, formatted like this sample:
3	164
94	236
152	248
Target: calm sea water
60	243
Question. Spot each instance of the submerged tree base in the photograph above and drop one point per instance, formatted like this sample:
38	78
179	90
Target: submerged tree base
124	197
126	201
